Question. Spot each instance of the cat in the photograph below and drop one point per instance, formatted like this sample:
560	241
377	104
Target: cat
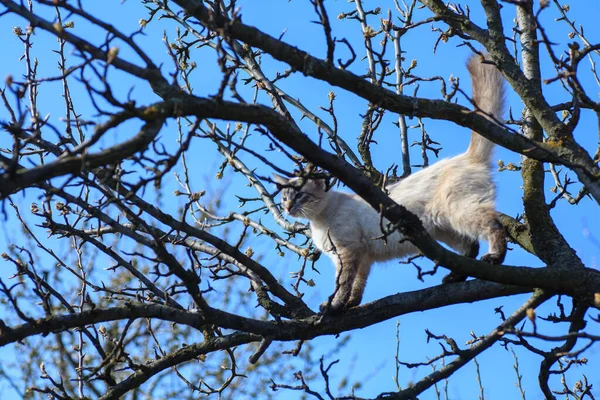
454	198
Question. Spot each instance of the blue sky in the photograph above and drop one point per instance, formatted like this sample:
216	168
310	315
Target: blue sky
370	353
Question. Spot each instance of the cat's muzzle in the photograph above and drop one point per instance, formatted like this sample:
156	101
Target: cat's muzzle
290	209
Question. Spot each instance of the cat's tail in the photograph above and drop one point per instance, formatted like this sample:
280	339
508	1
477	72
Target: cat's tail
489	98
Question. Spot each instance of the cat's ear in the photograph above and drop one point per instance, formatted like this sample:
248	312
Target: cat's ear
280	181
331	183
325	184
328	184
309	168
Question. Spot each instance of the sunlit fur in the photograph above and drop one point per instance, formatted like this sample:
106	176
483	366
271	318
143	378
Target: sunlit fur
454	198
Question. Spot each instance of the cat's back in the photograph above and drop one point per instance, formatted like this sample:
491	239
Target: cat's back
449	187
456	172
418	189
465	183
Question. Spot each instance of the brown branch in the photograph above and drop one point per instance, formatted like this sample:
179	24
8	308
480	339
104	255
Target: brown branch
547	241
286	330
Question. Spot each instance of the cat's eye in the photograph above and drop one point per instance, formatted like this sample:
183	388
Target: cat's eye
298	196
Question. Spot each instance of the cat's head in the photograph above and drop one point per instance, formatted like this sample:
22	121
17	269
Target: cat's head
301	197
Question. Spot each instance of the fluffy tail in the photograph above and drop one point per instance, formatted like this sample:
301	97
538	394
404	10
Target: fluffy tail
489	98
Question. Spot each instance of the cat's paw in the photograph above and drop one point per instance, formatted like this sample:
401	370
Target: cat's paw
331	307
453	277
493	258
353	301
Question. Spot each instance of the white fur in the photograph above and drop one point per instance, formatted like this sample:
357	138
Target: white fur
349	221
454	198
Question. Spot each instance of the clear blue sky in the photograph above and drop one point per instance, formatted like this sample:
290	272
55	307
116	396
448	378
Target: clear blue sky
370	354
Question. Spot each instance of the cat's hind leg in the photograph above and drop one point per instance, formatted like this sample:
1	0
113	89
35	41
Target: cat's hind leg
496	236
481	221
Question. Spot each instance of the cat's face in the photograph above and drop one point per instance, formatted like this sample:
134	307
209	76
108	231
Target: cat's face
300	197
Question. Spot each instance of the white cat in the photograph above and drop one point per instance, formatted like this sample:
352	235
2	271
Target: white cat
454	198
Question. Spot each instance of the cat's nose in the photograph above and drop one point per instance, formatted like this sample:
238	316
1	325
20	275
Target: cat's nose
287	205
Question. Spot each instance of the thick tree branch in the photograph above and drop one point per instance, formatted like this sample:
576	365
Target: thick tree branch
549	244
288	330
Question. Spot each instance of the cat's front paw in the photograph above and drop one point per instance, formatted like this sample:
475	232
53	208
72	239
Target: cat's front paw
353	301
493	258
331	307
